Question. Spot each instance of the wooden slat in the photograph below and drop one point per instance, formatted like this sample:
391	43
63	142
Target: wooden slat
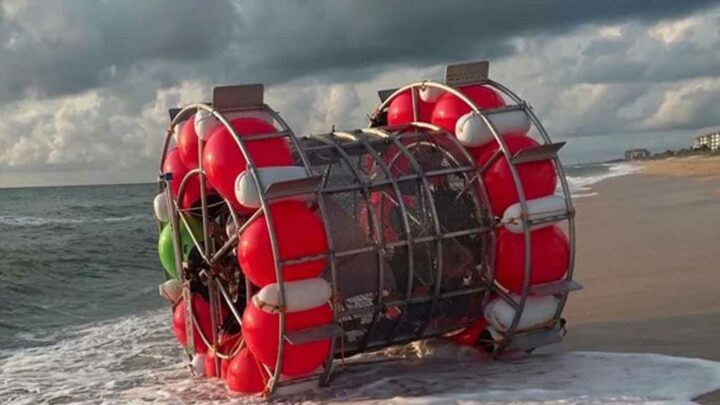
463	74
240	96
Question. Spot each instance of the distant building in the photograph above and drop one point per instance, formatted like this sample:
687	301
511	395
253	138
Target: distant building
636	154
709	141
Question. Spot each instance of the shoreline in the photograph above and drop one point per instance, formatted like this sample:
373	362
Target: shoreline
647	256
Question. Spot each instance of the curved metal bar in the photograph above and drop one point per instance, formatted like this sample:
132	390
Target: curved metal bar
563	185
486	216
516	180
250	167
208	253
327	370
436	227
406	225
379	239
180	195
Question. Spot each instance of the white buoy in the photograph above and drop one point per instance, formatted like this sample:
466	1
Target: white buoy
537	311
171	290
471	130
198	365
246	192
176	130
299	295
537	208
430	94
206	123
160	206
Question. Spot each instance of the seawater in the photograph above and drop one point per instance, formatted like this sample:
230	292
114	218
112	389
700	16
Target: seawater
81	320
74	255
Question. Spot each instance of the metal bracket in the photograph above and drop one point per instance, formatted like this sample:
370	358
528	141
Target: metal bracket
384	94
173	112
535	339
295	187
313	334
557	287
542	152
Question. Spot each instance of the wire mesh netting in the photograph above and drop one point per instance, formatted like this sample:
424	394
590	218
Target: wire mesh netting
411	233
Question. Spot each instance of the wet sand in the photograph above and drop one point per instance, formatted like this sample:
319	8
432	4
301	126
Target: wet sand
647	248
648	253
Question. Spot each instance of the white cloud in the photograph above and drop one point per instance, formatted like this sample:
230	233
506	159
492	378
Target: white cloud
606	78
669	32
610	32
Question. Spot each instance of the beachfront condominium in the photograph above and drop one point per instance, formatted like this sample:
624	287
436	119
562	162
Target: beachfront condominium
709	141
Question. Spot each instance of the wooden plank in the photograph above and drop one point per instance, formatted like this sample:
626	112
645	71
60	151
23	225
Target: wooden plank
227	98
463	74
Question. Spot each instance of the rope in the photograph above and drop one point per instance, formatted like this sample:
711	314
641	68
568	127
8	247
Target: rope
266	380
273	308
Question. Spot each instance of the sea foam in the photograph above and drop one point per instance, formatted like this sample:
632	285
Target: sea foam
11	220
136	359
580	184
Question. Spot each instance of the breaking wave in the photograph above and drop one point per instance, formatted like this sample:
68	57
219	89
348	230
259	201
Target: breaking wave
11	220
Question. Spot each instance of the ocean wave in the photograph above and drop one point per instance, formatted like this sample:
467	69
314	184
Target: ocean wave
135	359
580	186
11	220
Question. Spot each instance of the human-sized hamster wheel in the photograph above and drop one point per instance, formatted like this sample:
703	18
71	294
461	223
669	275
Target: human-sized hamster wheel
449	216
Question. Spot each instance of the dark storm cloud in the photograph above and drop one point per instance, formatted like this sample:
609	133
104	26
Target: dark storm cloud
66	46
86	84
287	39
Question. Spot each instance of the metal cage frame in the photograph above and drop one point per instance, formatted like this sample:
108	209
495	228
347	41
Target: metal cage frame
249	98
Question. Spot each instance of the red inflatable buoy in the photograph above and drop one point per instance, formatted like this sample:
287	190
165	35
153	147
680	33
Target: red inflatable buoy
174	165
300	232
549	258
400	110
261	331
538	178
469	336
244	374
227	345
210	366
449	107
201	310
223	161
187	143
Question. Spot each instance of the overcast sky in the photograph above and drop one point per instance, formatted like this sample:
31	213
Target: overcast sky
85	84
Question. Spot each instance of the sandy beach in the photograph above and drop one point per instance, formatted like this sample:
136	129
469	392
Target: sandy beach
648	250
